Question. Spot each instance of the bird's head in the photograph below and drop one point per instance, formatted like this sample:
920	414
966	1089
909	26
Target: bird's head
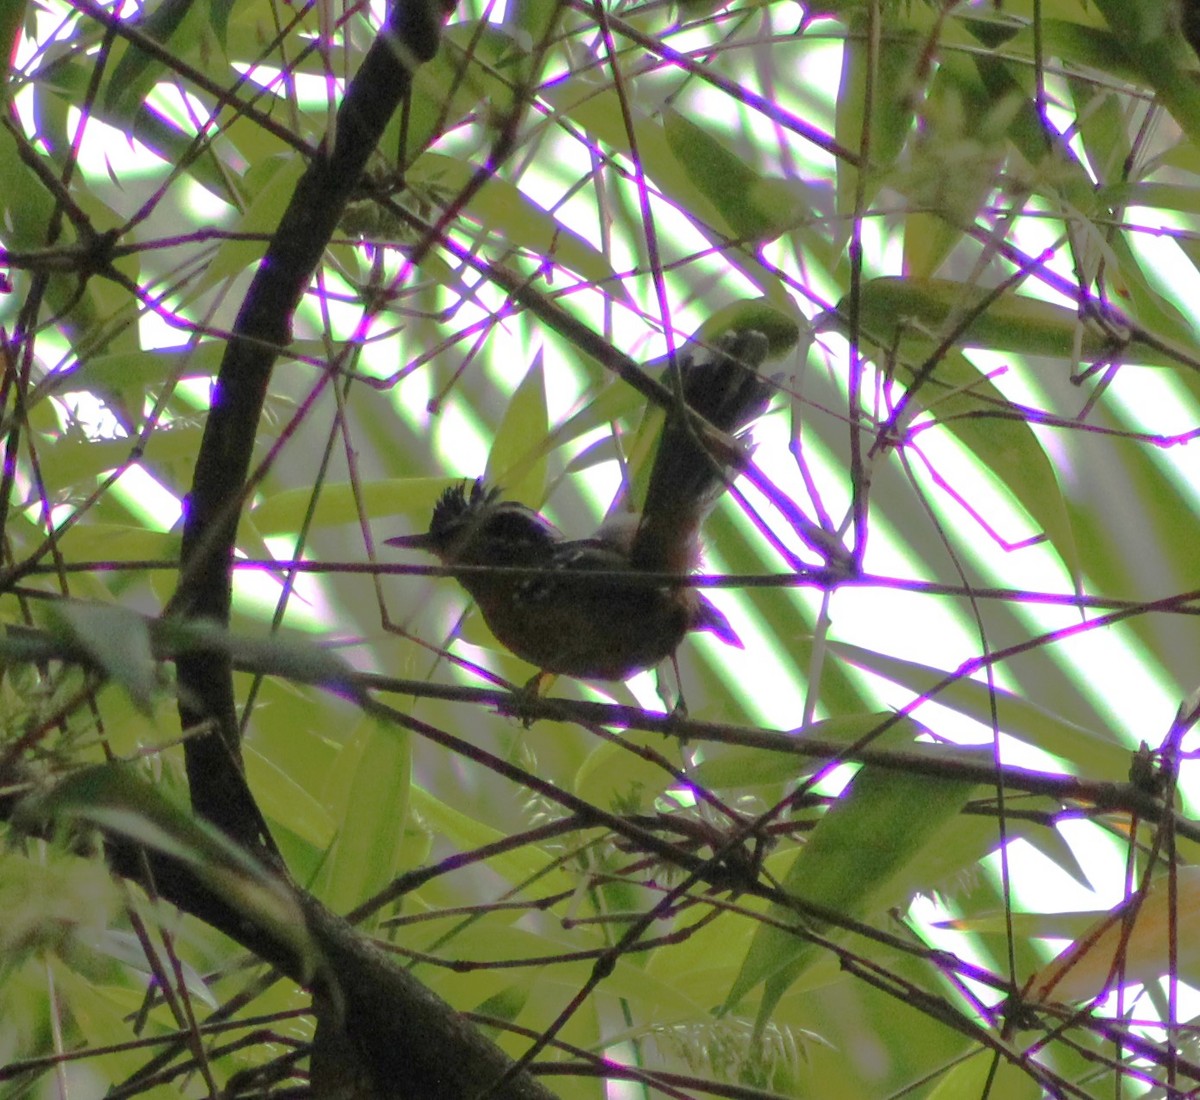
471	524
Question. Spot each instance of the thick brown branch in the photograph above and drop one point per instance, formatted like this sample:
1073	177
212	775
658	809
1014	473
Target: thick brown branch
261	332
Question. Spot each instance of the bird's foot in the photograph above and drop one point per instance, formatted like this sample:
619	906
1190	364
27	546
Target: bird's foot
524	697
678	709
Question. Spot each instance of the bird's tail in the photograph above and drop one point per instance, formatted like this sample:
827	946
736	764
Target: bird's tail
721	384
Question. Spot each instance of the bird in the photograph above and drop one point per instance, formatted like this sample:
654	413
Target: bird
609	605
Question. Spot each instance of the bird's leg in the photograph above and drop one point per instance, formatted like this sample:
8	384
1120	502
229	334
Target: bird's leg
527	694
679	709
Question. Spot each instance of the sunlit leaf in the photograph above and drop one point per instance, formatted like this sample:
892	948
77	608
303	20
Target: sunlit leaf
1132	943
852	862
757	208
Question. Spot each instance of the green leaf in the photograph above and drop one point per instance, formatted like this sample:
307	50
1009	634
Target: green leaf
617	779
1018	716
517	460
76	461
137	71
12	14
1148	32
117	640
285	801
781	329
914	315
50	901
289	656
413	497
986	1073
597	110
756	208
854	864
737	767
143	368
369	796
1089	47
1006	446
465	832
271	183
955	160
895	89
507	211
536	23
117	542
116	798
128	949
478	63
25	211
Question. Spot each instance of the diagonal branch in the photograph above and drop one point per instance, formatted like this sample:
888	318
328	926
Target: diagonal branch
261	332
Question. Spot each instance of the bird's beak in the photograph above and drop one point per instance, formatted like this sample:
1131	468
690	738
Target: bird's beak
411	542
